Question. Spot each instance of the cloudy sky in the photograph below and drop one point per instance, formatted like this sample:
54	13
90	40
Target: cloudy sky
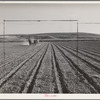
81	12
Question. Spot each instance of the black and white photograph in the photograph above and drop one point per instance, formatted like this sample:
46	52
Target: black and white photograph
50	48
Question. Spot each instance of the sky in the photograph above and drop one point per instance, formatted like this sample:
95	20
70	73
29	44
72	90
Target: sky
81	12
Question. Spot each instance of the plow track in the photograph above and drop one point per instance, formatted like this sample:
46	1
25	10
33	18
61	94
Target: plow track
14	55
6	78
86	69
51	68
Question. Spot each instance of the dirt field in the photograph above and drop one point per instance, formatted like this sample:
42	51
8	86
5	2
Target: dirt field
50	68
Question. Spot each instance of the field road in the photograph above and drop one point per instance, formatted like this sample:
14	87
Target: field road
50	68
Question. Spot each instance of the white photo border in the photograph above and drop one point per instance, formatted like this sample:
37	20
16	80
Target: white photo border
50	96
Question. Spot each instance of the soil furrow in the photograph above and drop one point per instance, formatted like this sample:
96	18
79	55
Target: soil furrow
75	81
45	82
7	68
91	63
62	87
30	83
81	69
15	56
17	82
11	73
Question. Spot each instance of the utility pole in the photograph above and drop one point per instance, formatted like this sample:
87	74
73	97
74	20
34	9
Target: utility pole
77	46
4	40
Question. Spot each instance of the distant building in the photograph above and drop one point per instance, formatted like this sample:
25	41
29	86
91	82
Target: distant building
33	41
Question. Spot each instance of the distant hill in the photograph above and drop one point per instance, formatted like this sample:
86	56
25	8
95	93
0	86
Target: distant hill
68	35
81	35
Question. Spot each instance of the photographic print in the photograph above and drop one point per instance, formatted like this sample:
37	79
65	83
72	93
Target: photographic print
50	48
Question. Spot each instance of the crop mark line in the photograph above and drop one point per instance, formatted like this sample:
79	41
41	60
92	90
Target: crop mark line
59	77
16	58
97	69
11	73
30	83
87	77
85	53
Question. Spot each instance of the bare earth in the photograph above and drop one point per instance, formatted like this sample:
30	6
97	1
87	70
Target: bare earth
50	67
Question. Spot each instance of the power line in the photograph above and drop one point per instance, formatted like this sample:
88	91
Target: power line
90	23
35	20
